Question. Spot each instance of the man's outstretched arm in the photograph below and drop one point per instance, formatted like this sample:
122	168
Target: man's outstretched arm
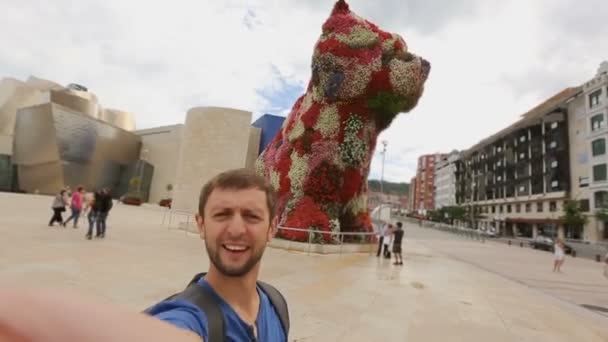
43	315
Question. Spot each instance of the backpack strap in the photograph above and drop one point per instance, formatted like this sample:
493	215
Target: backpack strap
279	303
204	300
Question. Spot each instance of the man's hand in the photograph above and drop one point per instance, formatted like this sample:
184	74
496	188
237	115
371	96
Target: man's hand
51	316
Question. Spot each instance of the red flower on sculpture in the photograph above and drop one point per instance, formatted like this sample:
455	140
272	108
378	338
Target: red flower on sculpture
323	184
306	215
352	184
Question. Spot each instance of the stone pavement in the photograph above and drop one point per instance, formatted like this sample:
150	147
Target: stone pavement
438	295
581	281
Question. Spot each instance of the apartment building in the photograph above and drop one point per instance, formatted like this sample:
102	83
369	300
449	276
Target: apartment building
445	180
518	179
411	195
589	159
424	192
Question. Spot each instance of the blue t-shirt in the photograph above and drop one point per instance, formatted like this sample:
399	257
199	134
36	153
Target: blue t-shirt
185	315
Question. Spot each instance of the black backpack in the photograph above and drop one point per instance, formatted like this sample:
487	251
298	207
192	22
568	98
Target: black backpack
205	301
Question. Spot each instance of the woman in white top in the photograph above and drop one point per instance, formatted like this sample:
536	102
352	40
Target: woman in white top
559	254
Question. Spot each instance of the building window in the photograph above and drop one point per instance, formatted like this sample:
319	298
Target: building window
499	149
554	184
553	144
600	199
597	122
522	156
508	208
522	188
554	125
528	207
598	147
493	209
539	207
522	138
599	173
584	205
499	178
554	164
552	206
518	208
499	163
583	182
500	210
594	98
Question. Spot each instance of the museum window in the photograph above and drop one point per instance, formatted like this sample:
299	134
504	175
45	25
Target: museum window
539	207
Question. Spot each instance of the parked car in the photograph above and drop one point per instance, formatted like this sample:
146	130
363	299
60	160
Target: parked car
490	233
547	243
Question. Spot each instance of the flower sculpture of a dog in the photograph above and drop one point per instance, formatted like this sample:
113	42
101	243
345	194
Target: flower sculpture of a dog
319	161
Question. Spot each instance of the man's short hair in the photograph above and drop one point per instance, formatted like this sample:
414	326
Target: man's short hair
399	224
239	179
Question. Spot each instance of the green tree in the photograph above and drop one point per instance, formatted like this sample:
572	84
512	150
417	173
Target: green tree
573	215
455	213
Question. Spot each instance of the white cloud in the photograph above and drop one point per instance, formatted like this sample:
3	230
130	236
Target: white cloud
491	61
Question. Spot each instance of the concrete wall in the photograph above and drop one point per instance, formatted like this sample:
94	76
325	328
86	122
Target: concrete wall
255	135
215	139
162	146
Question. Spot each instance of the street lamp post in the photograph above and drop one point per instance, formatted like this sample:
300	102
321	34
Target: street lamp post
384	143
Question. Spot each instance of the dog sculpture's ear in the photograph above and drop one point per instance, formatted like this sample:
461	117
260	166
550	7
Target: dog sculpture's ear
340	7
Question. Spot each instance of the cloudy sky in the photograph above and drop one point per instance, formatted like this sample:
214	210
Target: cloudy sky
492	60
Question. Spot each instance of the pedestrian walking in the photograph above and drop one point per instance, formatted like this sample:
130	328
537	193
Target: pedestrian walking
105	204
397	239
58	207
558	255
76	206
93	207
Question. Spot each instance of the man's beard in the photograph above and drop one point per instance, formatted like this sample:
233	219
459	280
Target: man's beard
214	257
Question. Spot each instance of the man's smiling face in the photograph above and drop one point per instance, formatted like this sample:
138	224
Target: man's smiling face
236	226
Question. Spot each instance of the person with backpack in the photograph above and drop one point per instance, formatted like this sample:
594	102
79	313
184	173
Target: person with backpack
228	303
236	219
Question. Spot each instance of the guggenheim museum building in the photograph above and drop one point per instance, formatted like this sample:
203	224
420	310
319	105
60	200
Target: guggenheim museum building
53	136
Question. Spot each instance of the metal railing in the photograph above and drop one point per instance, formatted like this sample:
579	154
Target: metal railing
366	236
466	233
338	237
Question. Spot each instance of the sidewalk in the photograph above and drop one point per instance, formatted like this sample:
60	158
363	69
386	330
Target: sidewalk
435	296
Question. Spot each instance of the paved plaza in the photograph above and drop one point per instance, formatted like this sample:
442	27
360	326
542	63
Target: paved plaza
449	288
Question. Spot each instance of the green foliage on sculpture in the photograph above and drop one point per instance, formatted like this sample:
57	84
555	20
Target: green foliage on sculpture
362	77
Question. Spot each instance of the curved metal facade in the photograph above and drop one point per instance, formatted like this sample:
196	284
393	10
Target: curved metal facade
55	146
